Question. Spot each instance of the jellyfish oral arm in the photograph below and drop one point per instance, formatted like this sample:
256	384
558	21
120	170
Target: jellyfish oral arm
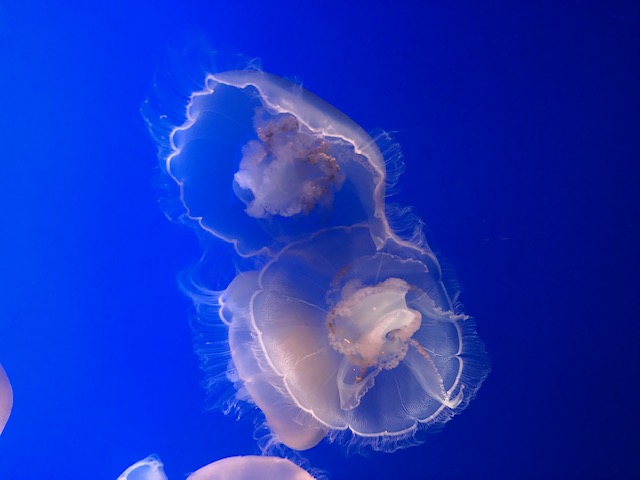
370	327
287	171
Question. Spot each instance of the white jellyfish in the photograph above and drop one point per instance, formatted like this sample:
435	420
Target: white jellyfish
248	467
260	162
336	335
6	398
341	325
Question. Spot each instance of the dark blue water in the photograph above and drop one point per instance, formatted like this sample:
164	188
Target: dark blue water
520	128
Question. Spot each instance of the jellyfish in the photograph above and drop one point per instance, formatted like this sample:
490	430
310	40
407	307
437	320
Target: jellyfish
6	399
337	335
261	162
339	325
232	468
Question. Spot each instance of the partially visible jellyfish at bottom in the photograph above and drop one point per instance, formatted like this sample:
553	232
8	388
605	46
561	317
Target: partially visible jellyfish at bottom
248	467
251	467
6	398
338	323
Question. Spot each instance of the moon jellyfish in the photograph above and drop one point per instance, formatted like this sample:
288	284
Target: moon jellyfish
260	162
6	398
338	325
232	468
335	334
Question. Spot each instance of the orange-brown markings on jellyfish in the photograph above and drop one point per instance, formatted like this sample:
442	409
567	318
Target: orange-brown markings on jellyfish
286	124
328	167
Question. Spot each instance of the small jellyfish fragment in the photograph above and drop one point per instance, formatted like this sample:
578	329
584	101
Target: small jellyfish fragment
261	162
149	468
248	467
6	398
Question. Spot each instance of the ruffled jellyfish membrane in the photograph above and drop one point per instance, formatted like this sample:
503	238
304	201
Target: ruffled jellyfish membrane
6	398
261	162
233	468
335	334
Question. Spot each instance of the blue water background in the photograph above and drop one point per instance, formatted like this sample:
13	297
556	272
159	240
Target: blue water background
520	127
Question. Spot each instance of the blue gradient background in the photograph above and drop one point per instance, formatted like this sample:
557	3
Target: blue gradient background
521	132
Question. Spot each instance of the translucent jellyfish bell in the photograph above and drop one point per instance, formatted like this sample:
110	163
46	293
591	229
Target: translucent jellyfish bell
6	398
232	468
335	334
261	162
